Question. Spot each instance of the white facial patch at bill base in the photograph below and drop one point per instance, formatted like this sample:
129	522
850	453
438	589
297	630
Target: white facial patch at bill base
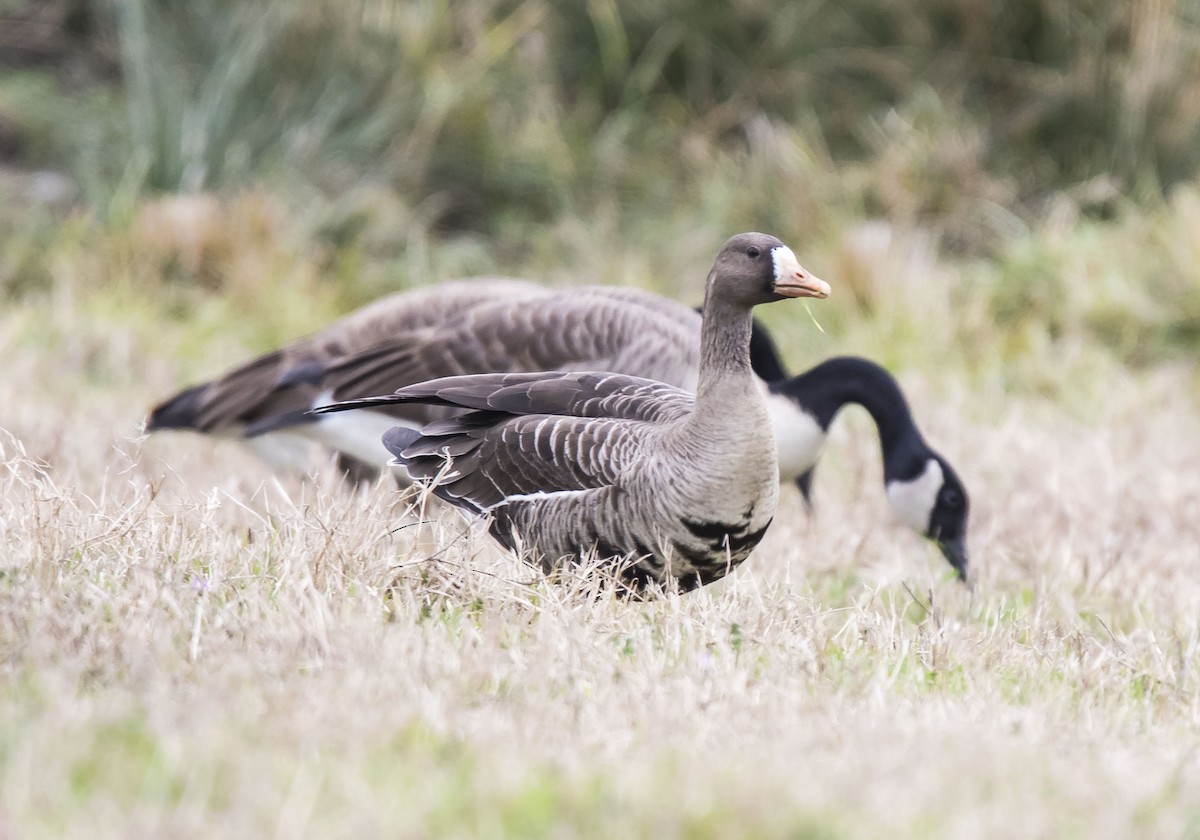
784	261
913	500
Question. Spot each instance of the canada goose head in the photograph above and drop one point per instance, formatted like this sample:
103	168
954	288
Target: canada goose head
934	502
754	268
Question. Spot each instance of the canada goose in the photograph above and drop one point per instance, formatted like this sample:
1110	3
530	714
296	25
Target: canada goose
922	488
681	486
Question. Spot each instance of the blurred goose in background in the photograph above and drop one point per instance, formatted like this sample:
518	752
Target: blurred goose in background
489	325
922	487
280	383
682	487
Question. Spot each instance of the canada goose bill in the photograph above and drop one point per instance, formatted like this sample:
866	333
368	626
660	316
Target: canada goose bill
792	280
955	552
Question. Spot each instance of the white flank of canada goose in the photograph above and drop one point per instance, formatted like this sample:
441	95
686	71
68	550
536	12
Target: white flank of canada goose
798	436
681	487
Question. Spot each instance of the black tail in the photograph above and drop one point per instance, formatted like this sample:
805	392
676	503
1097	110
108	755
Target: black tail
181	411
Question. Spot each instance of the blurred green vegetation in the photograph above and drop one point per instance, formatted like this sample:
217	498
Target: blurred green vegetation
1030	165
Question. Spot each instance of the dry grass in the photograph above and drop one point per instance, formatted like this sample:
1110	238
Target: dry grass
190	647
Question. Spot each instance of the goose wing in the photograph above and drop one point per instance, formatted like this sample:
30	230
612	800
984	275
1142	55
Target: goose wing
592	394
283	382
240	396
529	436
584	329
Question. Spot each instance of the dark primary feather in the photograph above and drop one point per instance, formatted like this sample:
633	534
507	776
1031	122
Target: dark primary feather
575	393
180	411
306	371
243	395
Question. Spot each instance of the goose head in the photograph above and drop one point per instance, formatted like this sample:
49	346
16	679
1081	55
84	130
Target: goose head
933	501
754	268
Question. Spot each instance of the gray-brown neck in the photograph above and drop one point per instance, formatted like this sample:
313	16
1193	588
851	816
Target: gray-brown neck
724	343
727	443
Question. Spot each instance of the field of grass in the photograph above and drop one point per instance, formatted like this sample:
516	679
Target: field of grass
192	646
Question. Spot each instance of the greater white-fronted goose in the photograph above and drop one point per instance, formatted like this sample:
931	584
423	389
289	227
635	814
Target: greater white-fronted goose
681	486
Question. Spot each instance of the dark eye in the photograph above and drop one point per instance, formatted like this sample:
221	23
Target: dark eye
952	498
753	253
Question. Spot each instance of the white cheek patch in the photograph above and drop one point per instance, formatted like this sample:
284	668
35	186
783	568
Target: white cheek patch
913	500
785	263
798	437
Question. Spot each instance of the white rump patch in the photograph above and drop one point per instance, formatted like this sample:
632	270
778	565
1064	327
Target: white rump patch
785	263
913	500
357	433
286	451
798	436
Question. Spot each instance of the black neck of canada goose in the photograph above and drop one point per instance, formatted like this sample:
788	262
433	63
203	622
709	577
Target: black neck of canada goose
825	389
